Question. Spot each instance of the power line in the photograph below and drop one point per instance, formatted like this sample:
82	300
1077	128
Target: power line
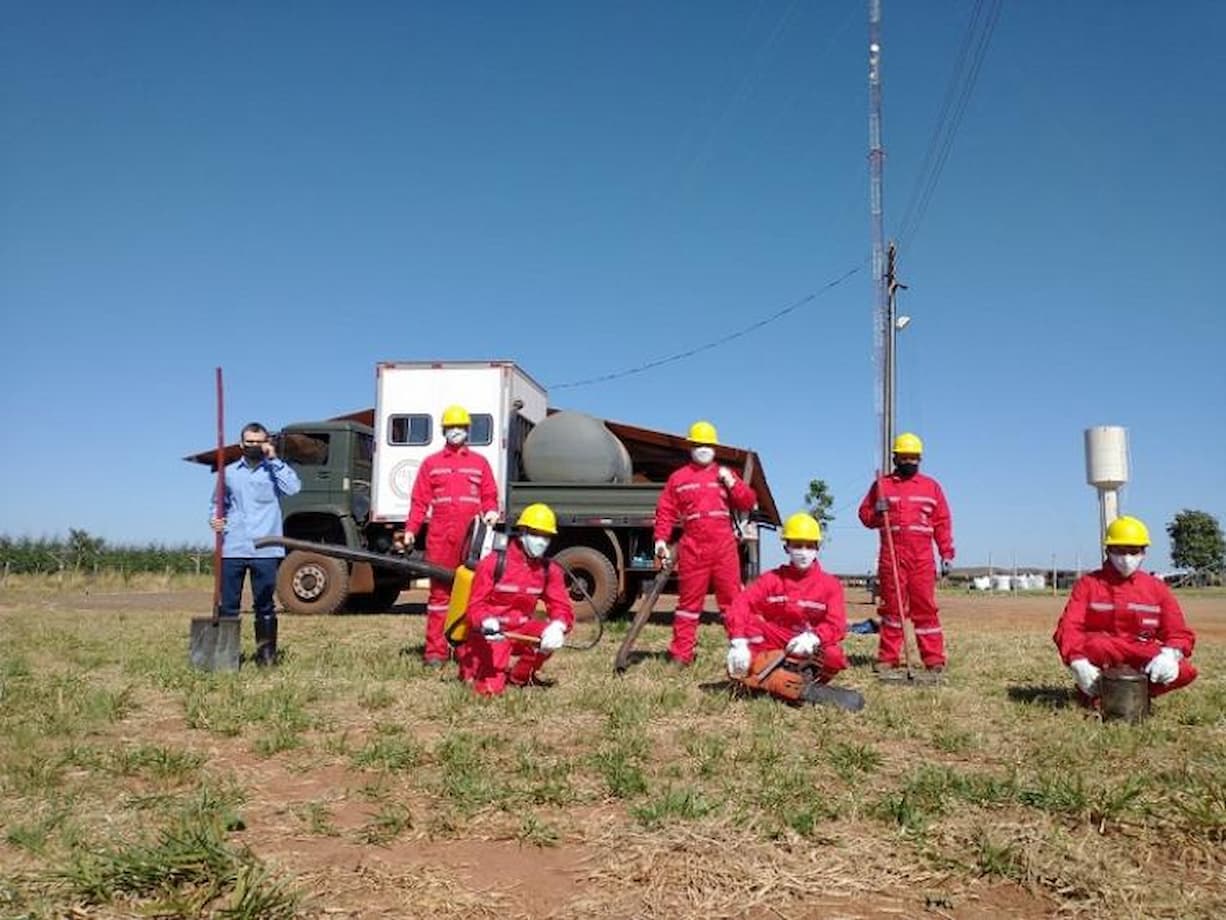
690	352
964	78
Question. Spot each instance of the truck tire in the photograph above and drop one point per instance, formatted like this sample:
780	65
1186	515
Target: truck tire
310	583
595	572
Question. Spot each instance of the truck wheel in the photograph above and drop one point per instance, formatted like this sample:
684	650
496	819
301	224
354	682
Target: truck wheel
310	583
593	570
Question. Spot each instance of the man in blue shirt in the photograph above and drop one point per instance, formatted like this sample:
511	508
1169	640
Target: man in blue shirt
252	510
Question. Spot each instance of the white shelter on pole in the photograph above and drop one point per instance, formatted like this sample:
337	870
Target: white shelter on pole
1107	470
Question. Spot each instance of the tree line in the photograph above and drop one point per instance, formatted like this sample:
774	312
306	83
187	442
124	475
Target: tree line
82	552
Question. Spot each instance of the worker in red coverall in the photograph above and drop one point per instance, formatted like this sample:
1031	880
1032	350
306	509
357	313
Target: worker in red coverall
701	498
452	486
1119	615
796	607
502	604
918	515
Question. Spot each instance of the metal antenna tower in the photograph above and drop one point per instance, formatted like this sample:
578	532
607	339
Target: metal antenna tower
884	327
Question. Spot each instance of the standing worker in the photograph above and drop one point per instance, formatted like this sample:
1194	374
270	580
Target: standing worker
796	607
254	485
507	586
1119	615
452	487
701	498
918	515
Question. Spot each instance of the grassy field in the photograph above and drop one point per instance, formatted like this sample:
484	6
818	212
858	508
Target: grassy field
352	782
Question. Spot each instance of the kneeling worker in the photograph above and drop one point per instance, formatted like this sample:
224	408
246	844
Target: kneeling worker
1119	615
506	588
796	608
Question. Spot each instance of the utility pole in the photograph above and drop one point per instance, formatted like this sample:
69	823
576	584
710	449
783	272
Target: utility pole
885	281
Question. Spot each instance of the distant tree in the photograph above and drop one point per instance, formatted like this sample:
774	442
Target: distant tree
1196	541
819	501
83	549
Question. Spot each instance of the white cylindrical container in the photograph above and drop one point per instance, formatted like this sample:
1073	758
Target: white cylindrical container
1038	582
1107	456
981	583
1001	582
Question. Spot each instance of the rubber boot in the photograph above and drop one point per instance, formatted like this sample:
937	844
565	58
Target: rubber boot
265	641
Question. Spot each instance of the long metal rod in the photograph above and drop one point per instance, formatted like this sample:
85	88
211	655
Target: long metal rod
220	497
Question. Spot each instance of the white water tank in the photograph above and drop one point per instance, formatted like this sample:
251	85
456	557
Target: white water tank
1001	582
1038	582
1107	456
981	583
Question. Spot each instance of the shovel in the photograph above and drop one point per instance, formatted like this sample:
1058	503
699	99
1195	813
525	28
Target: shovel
215	643
910	676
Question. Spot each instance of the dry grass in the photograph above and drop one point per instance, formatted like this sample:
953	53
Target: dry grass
353	782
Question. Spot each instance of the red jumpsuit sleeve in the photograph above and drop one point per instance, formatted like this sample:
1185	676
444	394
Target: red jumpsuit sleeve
1071	630
942	525
666	511
557	599
481	599
834	627
1174	631
419	498
869	516
489	488
736	621
741	497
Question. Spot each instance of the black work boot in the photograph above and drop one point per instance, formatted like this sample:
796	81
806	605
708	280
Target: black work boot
265	640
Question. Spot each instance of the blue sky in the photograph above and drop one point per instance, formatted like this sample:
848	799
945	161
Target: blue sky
295	191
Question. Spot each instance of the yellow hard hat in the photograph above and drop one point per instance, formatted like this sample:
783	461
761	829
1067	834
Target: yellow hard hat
456	417
1126	531
538	517
908	443
802	526
703	433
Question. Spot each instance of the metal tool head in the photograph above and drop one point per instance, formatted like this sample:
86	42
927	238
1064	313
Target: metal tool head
1125	695
910	677
215	643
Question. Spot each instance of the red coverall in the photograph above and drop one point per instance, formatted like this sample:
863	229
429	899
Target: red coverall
918	515
785	602
454	485
512	600
695	498
1112	620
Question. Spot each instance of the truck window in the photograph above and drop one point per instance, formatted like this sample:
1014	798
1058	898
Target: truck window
306	449
411	430
482	431
363	449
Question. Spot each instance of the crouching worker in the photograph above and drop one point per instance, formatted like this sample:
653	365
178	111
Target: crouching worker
785	628
506	588
1119	615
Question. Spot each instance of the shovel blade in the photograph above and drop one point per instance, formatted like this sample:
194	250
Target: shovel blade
214	644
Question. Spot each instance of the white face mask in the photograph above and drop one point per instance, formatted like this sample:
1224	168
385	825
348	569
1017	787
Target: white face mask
703	455
1126	564
803	556
535	544
455	436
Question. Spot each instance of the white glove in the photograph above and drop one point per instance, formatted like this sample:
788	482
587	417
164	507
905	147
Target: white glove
662	551
490	518
726	477
804	645
553	636
1163	668
1085	675
491	627
738	657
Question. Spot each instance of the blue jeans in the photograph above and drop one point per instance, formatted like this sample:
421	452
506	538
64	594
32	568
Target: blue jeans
263	583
